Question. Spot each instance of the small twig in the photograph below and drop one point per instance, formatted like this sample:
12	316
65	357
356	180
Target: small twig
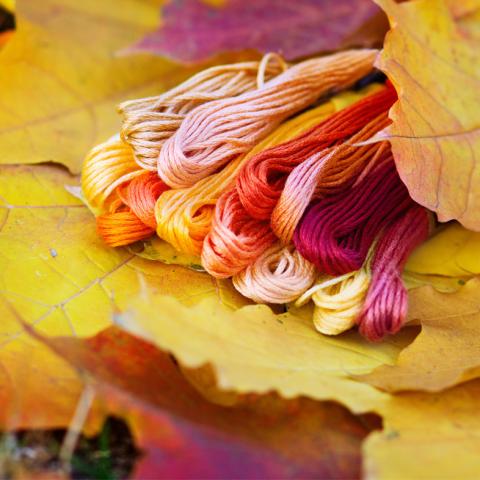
76	425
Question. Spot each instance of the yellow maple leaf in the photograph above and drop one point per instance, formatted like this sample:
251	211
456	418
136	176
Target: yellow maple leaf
432	55
57	275
62	76
254	350
446	352
452	252
427	436
8	5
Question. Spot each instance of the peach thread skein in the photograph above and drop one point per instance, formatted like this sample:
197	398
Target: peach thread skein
149	122
215	133
279	275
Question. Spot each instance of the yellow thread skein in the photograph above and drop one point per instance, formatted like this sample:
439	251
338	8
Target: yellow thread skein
107	166
338	300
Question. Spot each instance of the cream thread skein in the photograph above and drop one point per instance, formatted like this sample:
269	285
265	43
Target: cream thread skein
338	301
217	132
149	122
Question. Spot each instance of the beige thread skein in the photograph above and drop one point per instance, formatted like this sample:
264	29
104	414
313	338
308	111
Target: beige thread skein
149	122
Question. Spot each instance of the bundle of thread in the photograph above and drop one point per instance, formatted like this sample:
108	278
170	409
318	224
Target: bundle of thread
266	171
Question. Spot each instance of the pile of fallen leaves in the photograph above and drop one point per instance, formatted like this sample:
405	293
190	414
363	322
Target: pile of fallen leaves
203	387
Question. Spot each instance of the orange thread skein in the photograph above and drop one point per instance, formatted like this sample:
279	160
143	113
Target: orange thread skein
122	228
132	215
235	239
262	179
325	173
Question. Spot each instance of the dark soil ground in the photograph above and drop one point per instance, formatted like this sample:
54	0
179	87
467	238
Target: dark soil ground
110	455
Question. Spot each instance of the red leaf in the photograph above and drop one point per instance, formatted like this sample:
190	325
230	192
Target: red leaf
193	31
184	436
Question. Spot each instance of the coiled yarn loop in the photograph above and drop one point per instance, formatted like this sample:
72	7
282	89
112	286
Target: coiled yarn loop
278	275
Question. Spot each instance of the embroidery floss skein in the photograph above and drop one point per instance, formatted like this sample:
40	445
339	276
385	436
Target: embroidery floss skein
262	179
326	172
107	166
132	215
184	216
122	228
235	239
337	231
338	197
338	300
215	133
385	308
148	122
337	306
222	261
278	275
